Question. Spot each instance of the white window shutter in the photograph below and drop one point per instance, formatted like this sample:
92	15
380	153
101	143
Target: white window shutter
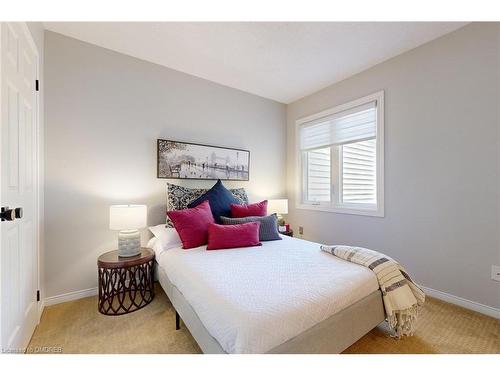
318	175
359	175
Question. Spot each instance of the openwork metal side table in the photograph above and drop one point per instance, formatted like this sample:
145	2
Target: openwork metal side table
125	284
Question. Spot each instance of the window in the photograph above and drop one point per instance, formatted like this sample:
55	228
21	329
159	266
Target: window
341	153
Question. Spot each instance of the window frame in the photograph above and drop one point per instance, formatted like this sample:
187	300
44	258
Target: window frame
334	205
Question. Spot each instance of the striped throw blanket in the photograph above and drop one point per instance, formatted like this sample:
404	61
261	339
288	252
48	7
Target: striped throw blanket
402	298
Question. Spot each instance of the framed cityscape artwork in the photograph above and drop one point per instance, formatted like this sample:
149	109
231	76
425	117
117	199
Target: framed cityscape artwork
181	160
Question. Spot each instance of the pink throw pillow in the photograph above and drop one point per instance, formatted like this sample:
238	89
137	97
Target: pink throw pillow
231	236
192	224
245	210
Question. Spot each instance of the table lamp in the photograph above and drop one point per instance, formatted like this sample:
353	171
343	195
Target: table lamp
279	207
128	219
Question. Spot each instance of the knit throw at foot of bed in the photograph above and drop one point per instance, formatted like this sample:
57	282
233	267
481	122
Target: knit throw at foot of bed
402	298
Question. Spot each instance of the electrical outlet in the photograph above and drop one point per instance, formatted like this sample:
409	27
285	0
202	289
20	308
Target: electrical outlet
301	230
495	273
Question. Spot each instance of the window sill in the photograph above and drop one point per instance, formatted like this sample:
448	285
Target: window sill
379	212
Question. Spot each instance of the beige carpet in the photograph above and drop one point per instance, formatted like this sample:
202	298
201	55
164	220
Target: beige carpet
77	327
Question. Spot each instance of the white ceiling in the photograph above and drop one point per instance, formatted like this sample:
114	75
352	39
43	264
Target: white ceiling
283	61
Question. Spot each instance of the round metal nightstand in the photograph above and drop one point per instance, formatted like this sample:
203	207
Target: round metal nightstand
125	284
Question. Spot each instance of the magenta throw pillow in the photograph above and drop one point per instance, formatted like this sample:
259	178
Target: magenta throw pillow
231	236
192	224
254	209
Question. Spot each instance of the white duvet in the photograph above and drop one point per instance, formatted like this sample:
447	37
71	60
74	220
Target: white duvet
254	299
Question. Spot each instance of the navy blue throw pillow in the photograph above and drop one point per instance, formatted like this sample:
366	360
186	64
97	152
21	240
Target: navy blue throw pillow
220	200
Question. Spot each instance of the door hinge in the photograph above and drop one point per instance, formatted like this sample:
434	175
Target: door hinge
38	296
37	85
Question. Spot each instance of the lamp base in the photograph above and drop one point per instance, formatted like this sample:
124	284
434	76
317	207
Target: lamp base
129	243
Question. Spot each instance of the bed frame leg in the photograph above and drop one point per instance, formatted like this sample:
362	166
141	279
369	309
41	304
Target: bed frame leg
177	321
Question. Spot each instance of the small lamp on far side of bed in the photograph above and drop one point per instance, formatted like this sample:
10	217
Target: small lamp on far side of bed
279	207
128	219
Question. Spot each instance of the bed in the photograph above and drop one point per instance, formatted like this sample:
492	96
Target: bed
286	296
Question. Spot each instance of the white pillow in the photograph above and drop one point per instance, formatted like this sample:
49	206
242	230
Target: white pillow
168	237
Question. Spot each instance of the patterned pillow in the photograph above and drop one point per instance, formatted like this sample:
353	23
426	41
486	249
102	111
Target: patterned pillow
178	197
240	194
268	230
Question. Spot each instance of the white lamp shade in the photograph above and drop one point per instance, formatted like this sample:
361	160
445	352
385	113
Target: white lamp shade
277	206
127	217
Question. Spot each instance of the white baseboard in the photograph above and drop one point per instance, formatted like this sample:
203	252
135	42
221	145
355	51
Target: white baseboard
471	305
69	296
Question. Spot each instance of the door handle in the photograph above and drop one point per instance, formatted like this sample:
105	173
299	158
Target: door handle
9	214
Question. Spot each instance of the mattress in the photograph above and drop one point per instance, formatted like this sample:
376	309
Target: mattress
254	299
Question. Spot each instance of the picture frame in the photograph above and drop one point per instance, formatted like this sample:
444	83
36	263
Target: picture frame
195	161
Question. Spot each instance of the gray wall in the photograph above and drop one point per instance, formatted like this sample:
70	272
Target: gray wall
441	163
104	112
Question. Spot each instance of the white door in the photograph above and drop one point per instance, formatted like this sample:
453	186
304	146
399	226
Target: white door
18	186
